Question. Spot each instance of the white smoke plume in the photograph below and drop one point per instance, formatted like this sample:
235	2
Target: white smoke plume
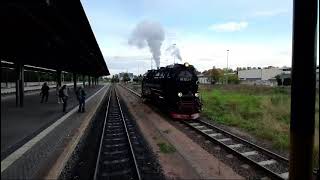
174	50
151	34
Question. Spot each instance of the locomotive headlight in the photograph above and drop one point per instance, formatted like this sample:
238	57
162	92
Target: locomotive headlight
186	64
196	94
179	94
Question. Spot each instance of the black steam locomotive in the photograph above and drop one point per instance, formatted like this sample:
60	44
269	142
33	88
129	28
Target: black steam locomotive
175	87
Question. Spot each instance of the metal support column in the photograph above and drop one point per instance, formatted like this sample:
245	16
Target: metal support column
59	77
19	85
303	89
74	81
89	81
83	80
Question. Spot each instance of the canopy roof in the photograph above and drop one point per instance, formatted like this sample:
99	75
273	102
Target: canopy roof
53	34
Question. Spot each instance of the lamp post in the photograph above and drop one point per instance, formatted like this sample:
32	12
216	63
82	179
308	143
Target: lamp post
174	57
227	58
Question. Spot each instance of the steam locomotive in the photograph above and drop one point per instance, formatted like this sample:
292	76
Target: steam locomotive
174	87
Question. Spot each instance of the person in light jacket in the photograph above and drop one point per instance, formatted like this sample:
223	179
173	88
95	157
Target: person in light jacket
57	93
63	94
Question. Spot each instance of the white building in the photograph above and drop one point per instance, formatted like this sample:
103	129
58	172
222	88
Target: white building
265	76
203	79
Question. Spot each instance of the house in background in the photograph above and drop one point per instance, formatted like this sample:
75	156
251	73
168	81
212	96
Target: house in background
265	76
203	79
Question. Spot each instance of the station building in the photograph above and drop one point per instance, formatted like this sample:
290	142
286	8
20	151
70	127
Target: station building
265	76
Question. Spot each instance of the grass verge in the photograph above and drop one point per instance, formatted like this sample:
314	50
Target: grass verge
166	148
262	111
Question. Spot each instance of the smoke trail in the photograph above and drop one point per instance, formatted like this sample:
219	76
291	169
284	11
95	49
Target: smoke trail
174	51
151	34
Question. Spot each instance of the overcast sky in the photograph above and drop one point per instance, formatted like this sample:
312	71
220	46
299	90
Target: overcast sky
256	32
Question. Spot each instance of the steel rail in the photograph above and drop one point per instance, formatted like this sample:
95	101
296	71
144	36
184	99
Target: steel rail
101	140
250	144
137	171
132	91
128	136
269	172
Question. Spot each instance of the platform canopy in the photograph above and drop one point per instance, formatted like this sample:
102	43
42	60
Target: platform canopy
53	34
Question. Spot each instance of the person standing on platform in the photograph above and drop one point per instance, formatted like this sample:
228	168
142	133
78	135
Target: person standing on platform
81	96
63	94
57	93
44	92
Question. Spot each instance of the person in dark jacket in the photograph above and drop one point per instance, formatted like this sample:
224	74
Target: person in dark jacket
44	92
81	96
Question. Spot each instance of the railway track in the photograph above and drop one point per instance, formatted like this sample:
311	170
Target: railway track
117	158
272	164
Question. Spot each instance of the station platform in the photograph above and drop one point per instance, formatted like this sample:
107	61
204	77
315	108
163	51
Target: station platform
18	125
34	137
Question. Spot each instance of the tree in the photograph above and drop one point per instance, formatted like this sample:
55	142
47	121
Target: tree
126	77
233	79
115	78
214	74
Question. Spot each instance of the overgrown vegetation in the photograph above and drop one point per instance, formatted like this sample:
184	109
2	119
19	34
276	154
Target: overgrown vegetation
217	75
166	148
261	111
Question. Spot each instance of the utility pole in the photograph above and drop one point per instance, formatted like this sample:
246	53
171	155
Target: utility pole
227	66
227	58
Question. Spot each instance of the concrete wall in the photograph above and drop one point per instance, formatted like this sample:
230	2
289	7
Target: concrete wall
26	84
250	74
260	82
270	73
29	84
261	74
